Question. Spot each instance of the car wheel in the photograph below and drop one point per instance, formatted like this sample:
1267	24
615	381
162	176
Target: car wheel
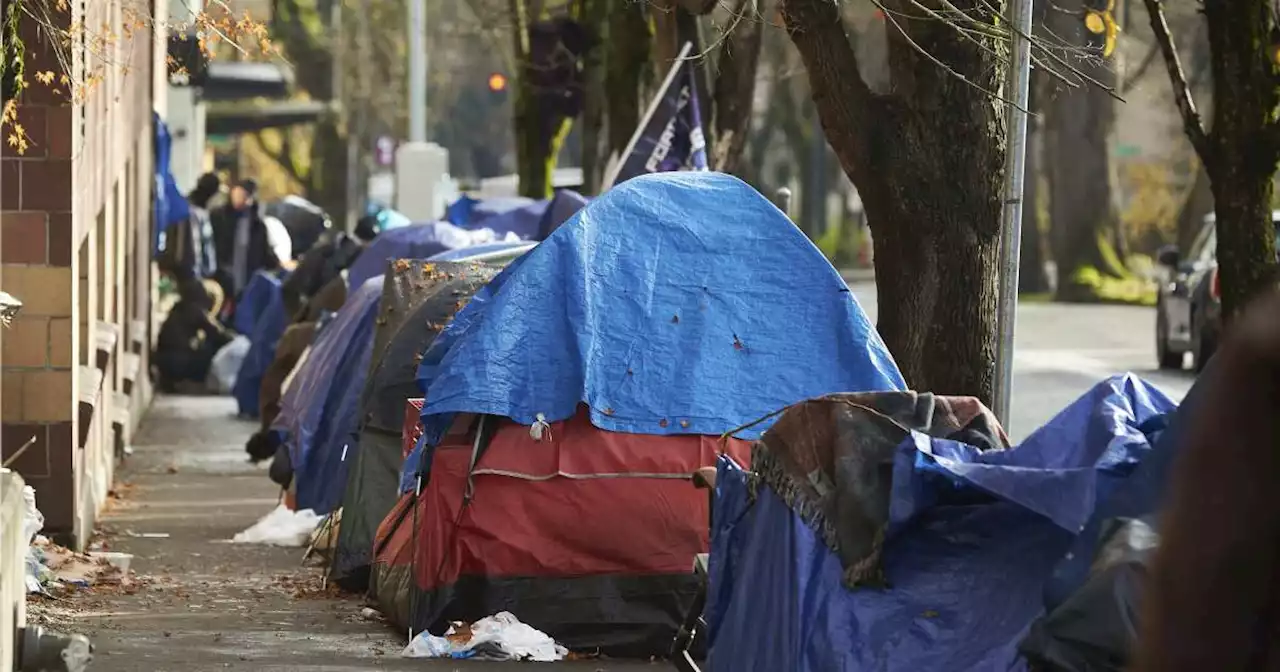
1166	358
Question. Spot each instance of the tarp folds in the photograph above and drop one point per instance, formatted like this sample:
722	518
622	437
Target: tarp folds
961	522
319	400
418	300
832	460
417	241
564	205
673	304
264	337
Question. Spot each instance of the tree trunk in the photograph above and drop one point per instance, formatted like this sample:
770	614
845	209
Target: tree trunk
1082	215
594	98
735	87
1199	202
627	65
932	190
1240	153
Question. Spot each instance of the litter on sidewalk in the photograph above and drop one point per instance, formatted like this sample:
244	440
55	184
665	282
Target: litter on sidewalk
281	527
498	637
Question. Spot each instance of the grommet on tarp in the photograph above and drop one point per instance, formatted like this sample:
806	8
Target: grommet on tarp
540	428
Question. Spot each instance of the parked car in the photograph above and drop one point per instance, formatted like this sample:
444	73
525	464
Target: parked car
1189	305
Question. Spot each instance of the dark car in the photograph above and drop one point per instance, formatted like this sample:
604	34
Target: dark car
1189	306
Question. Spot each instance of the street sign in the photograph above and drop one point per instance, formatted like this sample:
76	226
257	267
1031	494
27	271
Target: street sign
385	151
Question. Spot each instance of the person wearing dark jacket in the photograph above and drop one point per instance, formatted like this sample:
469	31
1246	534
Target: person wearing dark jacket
240	239
1213	598
188	339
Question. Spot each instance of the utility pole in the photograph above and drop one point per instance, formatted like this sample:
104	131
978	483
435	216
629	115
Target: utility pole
417	70
1017	89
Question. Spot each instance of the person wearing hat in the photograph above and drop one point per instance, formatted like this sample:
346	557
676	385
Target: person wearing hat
241	239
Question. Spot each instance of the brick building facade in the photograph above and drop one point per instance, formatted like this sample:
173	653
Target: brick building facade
75	222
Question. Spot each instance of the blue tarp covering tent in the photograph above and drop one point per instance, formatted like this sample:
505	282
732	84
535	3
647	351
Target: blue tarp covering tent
680	295
973	539
263	298
459	212
318	411
416	241
565	204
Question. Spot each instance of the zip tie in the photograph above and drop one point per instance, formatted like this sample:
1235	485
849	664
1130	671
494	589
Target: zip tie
540	427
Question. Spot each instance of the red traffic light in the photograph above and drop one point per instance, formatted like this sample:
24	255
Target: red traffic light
497	82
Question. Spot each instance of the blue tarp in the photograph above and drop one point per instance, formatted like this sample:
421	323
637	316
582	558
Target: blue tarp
564	205
319	412
416	241
973	539
171	205
675	303
522	222
264	299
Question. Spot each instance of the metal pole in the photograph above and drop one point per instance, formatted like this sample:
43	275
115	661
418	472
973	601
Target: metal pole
417	70
1017	91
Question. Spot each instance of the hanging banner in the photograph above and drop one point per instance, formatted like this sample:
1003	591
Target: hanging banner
670	134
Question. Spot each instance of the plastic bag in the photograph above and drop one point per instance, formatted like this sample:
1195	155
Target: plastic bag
32	523
498	637
281	527
226	365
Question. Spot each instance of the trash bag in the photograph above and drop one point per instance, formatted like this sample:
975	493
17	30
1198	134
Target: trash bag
226	365
1095	628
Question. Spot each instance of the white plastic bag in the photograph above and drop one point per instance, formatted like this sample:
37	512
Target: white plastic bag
32	520
501	636
281	527
226	365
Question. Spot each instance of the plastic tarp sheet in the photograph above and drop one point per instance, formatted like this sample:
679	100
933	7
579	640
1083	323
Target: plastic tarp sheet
418	300
973	539
564	205
321	400
674	303
171	205
418	241
254	301
522	222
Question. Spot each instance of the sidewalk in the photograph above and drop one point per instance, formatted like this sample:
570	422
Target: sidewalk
203	605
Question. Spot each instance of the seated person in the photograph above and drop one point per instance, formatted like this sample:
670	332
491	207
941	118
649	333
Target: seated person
188	339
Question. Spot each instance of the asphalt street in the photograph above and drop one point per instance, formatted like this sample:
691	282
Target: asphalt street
1062	350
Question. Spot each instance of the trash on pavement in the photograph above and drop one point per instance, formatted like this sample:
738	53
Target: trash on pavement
281	527
226	365
498	637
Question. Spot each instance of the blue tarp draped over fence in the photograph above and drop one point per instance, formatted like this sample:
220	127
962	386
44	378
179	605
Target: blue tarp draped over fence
319	410
674	303
973	539
416	241
262	318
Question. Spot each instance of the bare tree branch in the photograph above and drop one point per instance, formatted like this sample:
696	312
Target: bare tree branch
1191	121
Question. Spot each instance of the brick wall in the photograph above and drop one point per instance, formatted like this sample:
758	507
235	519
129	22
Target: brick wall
73	210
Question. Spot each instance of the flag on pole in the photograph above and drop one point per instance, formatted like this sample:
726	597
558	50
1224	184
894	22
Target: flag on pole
670	134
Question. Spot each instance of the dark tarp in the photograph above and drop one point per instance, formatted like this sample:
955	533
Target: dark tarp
522	222
319	265
565	204
391	571
589	534
972	539
304	220
418	300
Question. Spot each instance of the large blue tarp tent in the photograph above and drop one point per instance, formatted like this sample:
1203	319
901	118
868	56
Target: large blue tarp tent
676	295
416	241
973	540
261	317
318	411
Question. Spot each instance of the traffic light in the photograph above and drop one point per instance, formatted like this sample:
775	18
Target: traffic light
497	82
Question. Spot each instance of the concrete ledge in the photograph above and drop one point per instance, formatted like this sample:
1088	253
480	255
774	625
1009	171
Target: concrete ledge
90	396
